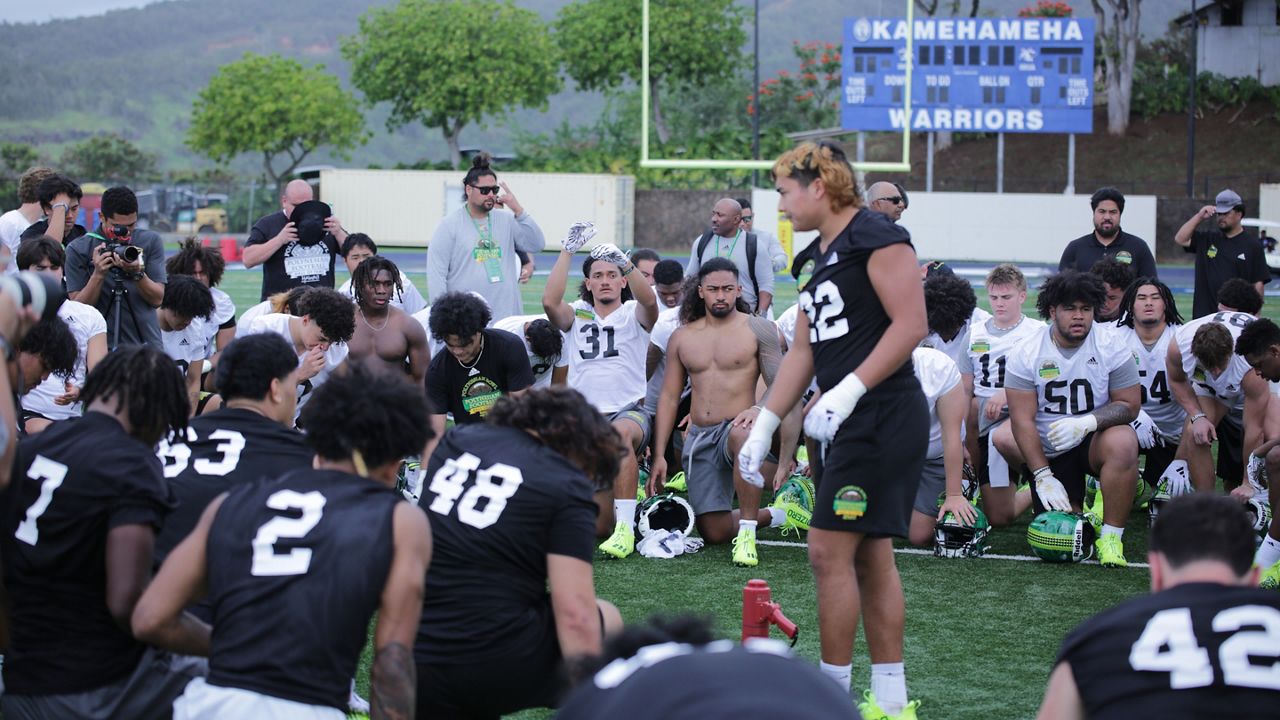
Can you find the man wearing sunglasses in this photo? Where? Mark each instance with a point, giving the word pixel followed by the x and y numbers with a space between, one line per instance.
pixel 771 242
pixel 473 248
pixel 888 199
pixel 1222 252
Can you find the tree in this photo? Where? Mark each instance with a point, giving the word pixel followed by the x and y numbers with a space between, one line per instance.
pixel 450 64
pixel 15 158
pixel 693 42
pixel 276 107
pixel 804 100
pixel 109 158
pixel 1118 36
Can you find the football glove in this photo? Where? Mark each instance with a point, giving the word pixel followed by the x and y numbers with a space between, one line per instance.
pixel 1175 480
pixel 580 233
pixel 609 252
pixel 1051 491
pixel 752 454
pixel 1146 430
pixel 833 408
pixel 1069 432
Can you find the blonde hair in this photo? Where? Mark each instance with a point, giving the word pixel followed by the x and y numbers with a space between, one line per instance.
pixel 1007 274
pixel 809 161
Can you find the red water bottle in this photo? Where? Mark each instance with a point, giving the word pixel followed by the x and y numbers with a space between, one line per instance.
pixel 759 612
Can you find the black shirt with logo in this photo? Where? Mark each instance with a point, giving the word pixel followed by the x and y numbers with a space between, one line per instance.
pixel 1081 253
pixel 1220 258
pixel 469 393
pixel 293 264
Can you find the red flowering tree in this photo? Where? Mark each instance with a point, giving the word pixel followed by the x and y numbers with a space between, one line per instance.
pixel 1046 9
pixel 802 100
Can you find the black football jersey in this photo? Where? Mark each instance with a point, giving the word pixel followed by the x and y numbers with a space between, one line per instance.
pixel 72 484
pixel 1199 650
pixel 499 502
pixel 297 566
pixel 846 318
pixel 225 448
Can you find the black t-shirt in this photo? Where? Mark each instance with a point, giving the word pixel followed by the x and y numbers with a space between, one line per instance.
pixel 41 227
pixel 223 449
pixel 293 264
pixel 1081 253
pixel 503 367
pixel 499 503
pixel 721 680
pixel 1220 258
pixel 72 484
pixel 297 567
pixel 1199 650
pixel 846 318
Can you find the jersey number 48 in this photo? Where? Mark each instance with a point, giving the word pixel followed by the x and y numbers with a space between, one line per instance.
pixel 478 495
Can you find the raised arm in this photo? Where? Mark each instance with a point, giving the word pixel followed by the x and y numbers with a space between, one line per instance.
pixel 559 312
pixel 1183 236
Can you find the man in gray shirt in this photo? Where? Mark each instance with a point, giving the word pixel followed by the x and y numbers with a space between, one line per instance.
pixel 119 270
pixel 473 247
pixel 727 239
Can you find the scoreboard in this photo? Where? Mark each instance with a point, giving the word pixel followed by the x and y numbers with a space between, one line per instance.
pixel 1024 75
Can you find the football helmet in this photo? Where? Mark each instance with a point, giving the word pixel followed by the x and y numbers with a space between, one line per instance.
pixel 800 489
pixel 952 538
pixel 664 512
pixel 1060 537
pixel 1260 513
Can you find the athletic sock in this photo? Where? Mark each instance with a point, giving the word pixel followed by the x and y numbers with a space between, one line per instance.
pixel 889 685
pixel 1112 530
pixel 1268 553
pixel 840 673
pixel 777 517
pixel 624 511
pixel 747 525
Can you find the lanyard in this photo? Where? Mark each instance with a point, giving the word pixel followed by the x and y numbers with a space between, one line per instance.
pixel 731 247
pixel 486 236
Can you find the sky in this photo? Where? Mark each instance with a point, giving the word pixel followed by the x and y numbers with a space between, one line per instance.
pixel 26 11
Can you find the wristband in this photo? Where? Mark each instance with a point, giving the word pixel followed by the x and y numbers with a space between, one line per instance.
pixel 629 270
pixel 1197 416
pixel 1046 470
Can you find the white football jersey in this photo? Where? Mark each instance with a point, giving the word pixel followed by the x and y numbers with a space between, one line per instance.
pixel 224 308
pixel 408 299
pixel 85 322
pixel 278 323
pixel 787 324
pixel 666 324
pixel 1070 383
pixel 187 345
pixel 253 313
pixel 1227 387
pixel 1157 398
pixel 607 356
pixel 541 366
pixel 937 375
pixel 989 349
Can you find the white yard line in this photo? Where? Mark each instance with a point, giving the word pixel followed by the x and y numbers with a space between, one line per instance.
pixel 921 551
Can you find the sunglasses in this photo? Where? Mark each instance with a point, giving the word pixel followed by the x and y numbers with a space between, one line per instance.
pixel 895 199
pixel 486 189
pixel 748 218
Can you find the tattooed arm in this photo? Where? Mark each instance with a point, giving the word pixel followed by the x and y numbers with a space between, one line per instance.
pixel 393 680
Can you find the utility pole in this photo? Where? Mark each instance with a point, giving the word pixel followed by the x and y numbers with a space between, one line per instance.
pixel 755 91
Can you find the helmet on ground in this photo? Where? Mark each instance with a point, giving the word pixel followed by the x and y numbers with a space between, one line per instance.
pixel 952 538
pixel 1260 513
pixel 800 488
pixel 1060 537
pixel 664 512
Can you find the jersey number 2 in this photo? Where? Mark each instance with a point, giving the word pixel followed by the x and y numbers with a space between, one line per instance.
pixel 1168 644
pixel 494 484
pixel 266 561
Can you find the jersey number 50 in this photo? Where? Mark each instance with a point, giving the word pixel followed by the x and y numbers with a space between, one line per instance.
pixel 493 485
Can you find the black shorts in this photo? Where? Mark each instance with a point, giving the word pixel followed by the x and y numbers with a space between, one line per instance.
pixel 867 481
pixel 1157 460
pixel 1070 468
pixel 1230 449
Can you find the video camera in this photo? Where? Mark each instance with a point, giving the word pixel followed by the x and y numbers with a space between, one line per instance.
pixel 128 253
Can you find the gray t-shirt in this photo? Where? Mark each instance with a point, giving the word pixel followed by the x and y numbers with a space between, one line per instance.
pixel 456 262
pixel 735 248
pixel 137 321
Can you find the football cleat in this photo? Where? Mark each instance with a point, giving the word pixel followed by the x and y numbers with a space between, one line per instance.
pixel 677 483
pixel 1060 537
pixel 797 516
pixel 1142 494
pixel 952 538
pixel 621 543
pixel 871 710
pixel 1270 578
pixel 744 548
pixel 1111 551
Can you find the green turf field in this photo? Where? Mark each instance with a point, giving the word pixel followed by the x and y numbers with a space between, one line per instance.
pixel 981 634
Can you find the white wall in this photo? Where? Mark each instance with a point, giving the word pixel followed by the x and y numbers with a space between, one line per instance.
pixel 989 227
pixel 403 207
pixel 1269 202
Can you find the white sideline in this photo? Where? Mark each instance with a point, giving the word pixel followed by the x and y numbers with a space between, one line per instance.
pixel 920 551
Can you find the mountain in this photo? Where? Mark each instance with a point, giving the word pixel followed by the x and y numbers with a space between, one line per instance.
pixel 137 71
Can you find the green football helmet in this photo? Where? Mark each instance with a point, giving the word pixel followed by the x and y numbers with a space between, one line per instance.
pixel 800 489
pixel 1060 537
pixel 952 538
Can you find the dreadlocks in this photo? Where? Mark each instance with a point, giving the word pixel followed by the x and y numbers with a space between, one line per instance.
pixel 1171 314
pixel 147 385
pixel 365 272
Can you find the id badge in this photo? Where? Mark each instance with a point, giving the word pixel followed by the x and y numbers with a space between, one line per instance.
pixel 493 268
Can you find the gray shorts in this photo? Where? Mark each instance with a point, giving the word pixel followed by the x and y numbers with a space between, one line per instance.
pixel 933 481
pixel 147 693
pixel 636 414
pixel 708 468
pixel 985 425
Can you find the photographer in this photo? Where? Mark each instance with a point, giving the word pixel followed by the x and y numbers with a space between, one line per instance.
pixel 120 271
